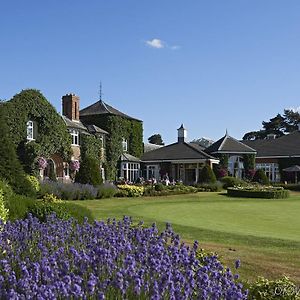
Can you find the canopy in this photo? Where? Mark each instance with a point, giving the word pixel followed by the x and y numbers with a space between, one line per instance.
pixel 295 169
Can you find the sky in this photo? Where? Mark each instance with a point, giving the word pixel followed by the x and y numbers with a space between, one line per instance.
pixel 211 65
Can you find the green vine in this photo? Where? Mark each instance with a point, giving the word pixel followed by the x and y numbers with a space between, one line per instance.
pixel 51 136
pixel 249 162
pixel 223 160
pixel 118 128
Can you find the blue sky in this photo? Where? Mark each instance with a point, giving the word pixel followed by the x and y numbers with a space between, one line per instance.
pixel 211 65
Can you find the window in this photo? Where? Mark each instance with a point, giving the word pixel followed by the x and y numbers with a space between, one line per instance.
pixel 75 137
pixel 30 130
pixel 124 145
pixel 131 171
pixel 271 170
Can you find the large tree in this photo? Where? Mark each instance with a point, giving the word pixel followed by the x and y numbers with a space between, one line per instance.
pixel 279 125
pixel 156 139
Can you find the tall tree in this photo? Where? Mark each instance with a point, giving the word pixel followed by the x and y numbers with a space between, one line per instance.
pixel 156 139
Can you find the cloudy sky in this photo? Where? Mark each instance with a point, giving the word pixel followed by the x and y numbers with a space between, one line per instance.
pixel 211 65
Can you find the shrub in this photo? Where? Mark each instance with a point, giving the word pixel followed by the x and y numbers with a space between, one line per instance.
pixel 159 187
pixel 67 260
pixel 255 192
pixel 89 172
pixel 68 191
pixel 260 177
pixel 229 181
pixel 209 187
pixel 264 289
pixel 207 175
pixel 3 210
pixel 132 190
pixel 106 190
pixel 34 182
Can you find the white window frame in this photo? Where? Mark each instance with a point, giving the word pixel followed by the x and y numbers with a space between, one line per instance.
pixel 29 125
pixel 75 137
pixel 271 170
pixel 124 145
pixel 130 171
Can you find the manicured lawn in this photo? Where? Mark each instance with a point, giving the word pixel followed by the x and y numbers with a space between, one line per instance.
pixel 264 234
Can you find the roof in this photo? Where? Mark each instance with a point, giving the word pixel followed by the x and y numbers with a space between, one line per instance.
pixel 286 145
pixel 74 124
pixel 228 144
pixel 102 108
pixel 176 151
pixel 129 157
pixel 95 129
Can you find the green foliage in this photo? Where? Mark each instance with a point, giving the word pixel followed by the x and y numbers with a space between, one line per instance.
pixel 223 160
pixel 255 192
pixel 169 190
pixel 207 175
pixel 50 198
pixel 52 173
pixel 229 181
pixel 51 132
pixel 156 139
pixel 89 172
pixel 4 212
pixel 90 146
pixel 209 187
pixel 34 182
pixel 264 289
pixel 106 191
pixel 249 162
pixel 118 128
pixel 131 190
pixel 260 177
pixel 10 167
pixel 159 187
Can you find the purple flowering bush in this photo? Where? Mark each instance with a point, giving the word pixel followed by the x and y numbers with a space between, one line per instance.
pixel 61 259
pixel 42 163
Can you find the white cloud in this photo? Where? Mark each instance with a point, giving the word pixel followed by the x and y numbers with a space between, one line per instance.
pixel 175 47
pixel 156 43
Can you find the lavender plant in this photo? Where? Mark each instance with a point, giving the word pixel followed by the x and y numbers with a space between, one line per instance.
pixel 61 259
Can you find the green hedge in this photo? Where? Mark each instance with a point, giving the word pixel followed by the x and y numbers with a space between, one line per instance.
pixel 252 193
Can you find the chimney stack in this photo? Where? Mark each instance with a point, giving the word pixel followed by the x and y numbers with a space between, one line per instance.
pixel 182 134
pixel 70 106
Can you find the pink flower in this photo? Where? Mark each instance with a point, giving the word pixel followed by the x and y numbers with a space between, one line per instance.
pixel 42 163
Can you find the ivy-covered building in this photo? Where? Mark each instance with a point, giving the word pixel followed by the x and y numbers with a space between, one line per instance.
pixel 124 144
pixel 47 143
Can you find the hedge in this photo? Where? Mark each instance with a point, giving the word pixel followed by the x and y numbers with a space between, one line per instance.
pixel 249 193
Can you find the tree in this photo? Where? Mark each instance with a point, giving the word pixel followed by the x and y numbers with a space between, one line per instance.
pixel 260 177
pixel 89 172
pixel 207 175
pixel 11 169
pixel 156 139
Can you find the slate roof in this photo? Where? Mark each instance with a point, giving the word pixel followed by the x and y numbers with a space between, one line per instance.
pixel 74 124
pixel 150 147
pixel 129 157
pixel 95 129
pixel 287 145
pixel 176 151
pixel 102 108
pixel 228 144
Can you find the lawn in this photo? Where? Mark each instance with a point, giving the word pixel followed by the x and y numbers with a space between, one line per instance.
pixel 264 234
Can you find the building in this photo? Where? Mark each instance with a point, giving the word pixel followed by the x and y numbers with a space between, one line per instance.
pixel 181 161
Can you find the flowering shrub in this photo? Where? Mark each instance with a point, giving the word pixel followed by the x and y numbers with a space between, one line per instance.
pixel 42 163
pixel 34 182
pixel 258 191
pixel 130 190
pixel 113 260
pixel 68 191
pixel 3 210
pixel 74 165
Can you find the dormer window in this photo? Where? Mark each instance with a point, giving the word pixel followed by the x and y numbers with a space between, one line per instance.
pixel 124 145
pixel 29 125
pixel 75 137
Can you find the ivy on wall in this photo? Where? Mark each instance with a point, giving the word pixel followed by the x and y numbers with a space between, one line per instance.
pixel 223 160
pixel 51 136
pixel 90 146
pixel 118 128
pixel 249 162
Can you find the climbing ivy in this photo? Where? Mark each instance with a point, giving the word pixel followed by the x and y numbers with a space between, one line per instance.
pixel 90 146
pixel 249 162
pixel 223 160
pixel 51 136
pixel 118 128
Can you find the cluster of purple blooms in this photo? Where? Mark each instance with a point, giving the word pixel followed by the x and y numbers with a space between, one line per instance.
pixel 114 260
pixel 74 165
pixel 42 163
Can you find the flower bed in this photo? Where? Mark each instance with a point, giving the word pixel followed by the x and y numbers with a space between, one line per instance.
pixel 113 260
pixel 256 191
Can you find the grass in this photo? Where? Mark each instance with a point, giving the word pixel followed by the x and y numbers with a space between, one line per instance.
pixel 263 233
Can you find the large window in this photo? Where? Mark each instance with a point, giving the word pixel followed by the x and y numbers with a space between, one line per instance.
pixel 131 171
pixel 30 131
pixel 75 137
pixel 271 170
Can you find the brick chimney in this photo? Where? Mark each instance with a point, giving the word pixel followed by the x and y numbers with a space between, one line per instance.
pixel 70 106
